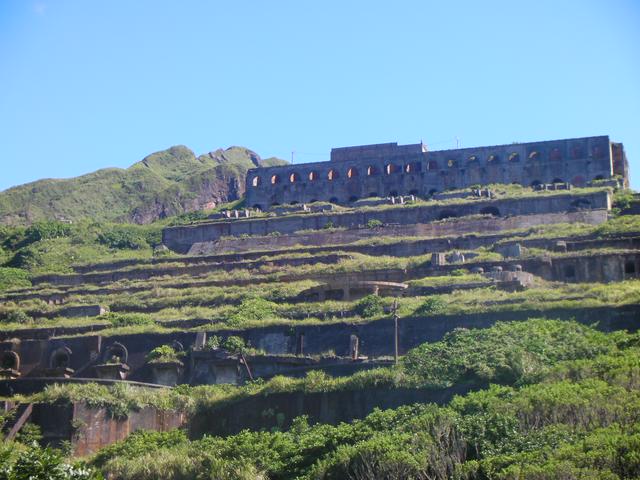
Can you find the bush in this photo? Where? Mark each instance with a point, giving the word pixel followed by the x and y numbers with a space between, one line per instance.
pixel 255 309
pixel 45 464
pixel 163 354
pixel 18 316
pixel 234 344
pixel 369 306
pixel 123 238
pixel 373 223
pixel 213 343
pixel 431 306
pixel 46 230
pixel 13 278
pixel 119 320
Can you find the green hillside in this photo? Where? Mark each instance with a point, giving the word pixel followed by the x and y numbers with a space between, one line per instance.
pixel 165 183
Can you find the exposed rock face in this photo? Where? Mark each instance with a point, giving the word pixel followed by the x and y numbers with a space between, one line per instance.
pixel 165 183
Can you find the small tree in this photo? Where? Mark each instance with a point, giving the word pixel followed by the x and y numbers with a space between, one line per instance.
pixel 369 306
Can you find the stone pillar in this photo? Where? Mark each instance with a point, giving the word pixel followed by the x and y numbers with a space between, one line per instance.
pixel 353 347
pixel 438 259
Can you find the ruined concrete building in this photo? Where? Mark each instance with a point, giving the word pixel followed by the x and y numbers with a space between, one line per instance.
pixel 390 169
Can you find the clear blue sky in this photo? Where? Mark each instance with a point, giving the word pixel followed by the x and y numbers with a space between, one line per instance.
pixel 91 84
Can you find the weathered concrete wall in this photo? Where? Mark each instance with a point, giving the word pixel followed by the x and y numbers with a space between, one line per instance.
pixel 90 429
pixel 375 339
pixel 279 409
pixel 182 238
pixel 203 268
pixel 441 236
pixel 391 170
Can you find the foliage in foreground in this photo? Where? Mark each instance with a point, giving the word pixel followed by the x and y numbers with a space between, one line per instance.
pixel 580 421
pixel 22 462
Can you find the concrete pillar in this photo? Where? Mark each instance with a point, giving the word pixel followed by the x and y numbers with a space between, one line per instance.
pixel 353 347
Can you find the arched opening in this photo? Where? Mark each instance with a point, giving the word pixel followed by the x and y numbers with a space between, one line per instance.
pixel 578 181
pixel 255 181
pixel 557 180
pixel 294 177
pixel 514 157
pixel 352 172
pixel 472 159
pixel 333 200
pixel 390 168
pixel 493 159
pixel 275 179
pixel 451 163
pixel 577 152
pixel 60 358
pixel 10 360
pixel 332 175
pixel 432 165
pixel 413 167
pixel 535 155
pixel 117 353
pixel 353 198
pixel 313 176
pixel 447 214
pixel 555 154
pixel 630 268
pixel 371 171
pixel 493 211
pixel 257 206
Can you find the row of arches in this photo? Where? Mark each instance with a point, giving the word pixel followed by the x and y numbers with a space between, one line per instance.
pixel 334 174
pixel 415 167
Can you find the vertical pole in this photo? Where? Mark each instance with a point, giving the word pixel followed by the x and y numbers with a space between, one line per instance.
pixel 395 326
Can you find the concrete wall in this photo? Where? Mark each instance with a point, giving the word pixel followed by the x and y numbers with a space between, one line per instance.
pixel 375 339
pixel 182 238
pixel 90 429
pixel 440 236
pixel 279 409
pixel 389 169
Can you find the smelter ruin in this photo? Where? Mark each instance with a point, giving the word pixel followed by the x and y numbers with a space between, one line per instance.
pixel 458 238
pixel 389 169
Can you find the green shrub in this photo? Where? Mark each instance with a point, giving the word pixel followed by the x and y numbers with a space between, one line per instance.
pixel 508 352
pixel 369 306
pixel 18 316
pixel 38 463
pixel 46 230
pixel 252 309
pixel 431 306
pixel 123 238
pixel 163 354
pixel 234 344
pixel 118 319
pixel 13 278
pixel 373 223
pixel 213 343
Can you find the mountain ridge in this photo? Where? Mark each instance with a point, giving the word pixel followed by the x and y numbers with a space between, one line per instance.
pixel 164 183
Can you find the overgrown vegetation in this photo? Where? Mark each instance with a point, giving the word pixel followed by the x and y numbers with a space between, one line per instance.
pixel 574 415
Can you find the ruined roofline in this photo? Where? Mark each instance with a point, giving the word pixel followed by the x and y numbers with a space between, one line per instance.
pixel 424 150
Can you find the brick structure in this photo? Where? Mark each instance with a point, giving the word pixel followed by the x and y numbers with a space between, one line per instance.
pixel 390 169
